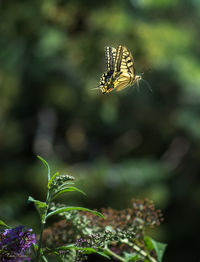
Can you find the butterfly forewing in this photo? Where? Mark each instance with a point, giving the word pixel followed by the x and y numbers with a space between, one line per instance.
pixel 127 62
pixel 110 54
pixel 118 59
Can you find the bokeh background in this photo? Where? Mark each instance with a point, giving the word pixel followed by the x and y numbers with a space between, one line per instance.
pixel 134 143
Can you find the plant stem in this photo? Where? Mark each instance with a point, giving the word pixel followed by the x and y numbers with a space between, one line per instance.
pixel 44 216
pixel 114 255
pixel 42 227
pixel 141 252
pixel 40 241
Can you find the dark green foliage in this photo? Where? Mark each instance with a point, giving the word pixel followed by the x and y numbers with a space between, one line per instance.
pixel 128 144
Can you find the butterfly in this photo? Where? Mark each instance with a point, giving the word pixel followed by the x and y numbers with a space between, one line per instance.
pixel 120 70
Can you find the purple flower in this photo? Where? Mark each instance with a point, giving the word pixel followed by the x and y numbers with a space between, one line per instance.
pixel 15 243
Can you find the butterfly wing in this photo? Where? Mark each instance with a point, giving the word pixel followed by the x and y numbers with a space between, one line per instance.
pixel 106 80
pixel 122 83
pixel 110 54
pixel 127 64
pixel 124 64
pixel 120 69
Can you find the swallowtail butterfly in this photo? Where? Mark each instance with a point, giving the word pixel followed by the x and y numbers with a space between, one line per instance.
pixel 120 70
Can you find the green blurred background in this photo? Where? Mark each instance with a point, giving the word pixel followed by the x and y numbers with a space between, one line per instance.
pixel 135 143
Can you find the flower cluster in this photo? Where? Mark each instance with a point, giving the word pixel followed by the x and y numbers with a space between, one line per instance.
pixel 142 214
pixel 60 233
pixel 60 180
pixel 15 243
pixel 121 230
pixel 145 211
pixel 100 241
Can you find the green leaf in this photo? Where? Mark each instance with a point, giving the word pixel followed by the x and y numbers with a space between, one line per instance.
pixel 53 177
pixel 40 206
pixel 3 224
pixel 90 250
pixel 102 253
pixel 130 257
pixel 47 166
pixel 44 258
pixel 157 246
pixel 66 209
pixel 67 189
pixel 148 243
pixel 86 250
pixel 66 184
pixel 35 246
pixel 70 246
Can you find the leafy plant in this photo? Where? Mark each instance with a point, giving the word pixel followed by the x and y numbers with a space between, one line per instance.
pixel 57 185
pixel 112 234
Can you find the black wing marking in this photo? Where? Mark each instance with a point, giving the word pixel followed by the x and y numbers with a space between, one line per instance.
pixel 110 54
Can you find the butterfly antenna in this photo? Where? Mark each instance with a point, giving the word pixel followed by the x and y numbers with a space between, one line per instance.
pixel 138 85
pixel 95 88
pixel 147 84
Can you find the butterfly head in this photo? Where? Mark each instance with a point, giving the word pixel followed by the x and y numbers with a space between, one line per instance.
pixel 139 77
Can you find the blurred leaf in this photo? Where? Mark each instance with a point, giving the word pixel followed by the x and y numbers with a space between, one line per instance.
pixel 130 257
pixel 47 166
pixel 157 246
pixel 51 41
pixel 44 258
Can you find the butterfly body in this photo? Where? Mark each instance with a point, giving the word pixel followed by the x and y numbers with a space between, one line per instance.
pixel 120 70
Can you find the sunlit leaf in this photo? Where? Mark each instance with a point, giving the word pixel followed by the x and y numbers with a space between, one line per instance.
pixel 148 243
pixel 90 250
pixel 52 178
pixel 40 206
pixel 66 209
pixel 66 184
pixel 130 257
pixel 103 254
pixel 68 189
pixel 157 246
pixel 44 258
pixel 47 166
pixel 85 250
pixel 3 224
pixel 35 246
